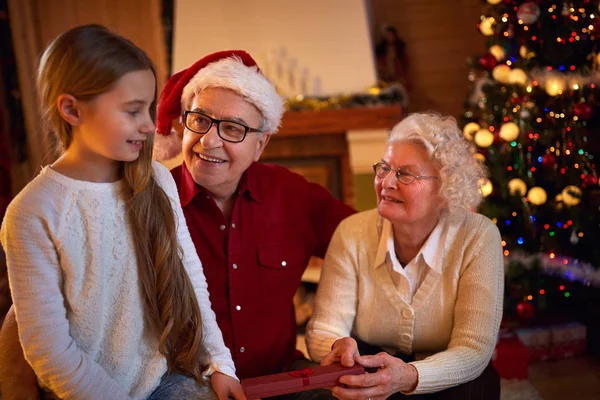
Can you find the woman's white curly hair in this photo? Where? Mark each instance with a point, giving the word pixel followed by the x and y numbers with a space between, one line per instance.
pixel 460 172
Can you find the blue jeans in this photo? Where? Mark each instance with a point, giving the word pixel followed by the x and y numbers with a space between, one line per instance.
pixel 179 387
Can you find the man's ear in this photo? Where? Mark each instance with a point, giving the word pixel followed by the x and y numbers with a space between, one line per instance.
pixel 261 144
pixel 69 108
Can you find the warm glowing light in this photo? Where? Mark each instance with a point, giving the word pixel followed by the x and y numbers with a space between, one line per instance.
pixel 506 253
pixel 470 129
pixel 542 291
pixel 486 187
pixel 530 297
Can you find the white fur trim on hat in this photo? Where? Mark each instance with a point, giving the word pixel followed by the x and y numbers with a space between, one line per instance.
pixel 248 82
pixel 167 147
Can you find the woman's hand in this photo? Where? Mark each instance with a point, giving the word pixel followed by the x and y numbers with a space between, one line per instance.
pixel 344 351
pixel 393 375
pixel 225 386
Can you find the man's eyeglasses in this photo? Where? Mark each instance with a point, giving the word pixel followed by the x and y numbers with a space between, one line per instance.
pixel 229 131
pixel 382 170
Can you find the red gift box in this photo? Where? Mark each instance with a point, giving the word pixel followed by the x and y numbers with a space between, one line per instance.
pixel 510 357
pixel 537 340
pixel 297 381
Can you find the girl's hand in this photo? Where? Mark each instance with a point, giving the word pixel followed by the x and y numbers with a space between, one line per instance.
pixel 225 386
pixel 344 351
pixel 393 375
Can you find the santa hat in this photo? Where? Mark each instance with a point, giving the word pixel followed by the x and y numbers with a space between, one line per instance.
pixel 232 69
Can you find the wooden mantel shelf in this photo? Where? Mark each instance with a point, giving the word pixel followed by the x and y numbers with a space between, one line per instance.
pixel 339 121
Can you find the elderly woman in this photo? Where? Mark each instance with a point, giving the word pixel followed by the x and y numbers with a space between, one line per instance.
pixel 413 289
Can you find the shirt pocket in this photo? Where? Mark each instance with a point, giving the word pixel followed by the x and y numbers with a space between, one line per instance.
pixel 281 266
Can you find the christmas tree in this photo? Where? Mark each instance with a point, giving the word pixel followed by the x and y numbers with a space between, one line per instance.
pixel 534 116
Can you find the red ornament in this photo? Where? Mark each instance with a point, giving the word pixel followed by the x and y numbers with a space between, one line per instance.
pixel 488 62
pixel 589 180
pixel 583 110
pixel 548 160
pixel 525 310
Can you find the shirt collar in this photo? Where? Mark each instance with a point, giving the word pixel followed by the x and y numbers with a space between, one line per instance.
pixel 432 251
pixel 189 189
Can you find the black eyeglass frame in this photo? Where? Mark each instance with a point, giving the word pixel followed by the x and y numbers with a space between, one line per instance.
pixel 397 172
pixel 214 121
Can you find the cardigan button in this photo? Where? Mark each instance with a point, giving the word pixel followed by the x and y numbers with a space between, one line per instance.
pixel 407 313
pixel 406 337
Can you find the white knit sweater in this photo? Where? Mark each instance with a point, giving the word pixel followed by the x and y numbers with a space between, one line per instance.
pixel 455 314
pixel 74 282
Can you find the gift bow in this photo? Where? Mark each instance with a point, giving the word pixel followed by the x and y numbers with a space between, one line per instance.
pixel 304 374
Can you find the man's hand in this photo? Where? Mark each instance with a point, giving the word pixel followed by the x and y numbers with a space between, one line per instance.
pixel 344 351
pixel 17 379
pixel 225 386
pixel 393 375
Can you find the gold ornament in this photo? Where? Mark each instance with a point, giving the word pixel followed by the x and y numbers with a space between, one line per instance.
pixel 537 196
pixel 498 52
pixel 555 86
pixel 494 2
pixel 501 73
pixel 484 138
pixel 487 26
pixel 509 131
pixel 517 186
pixel 525 53
pixel 571 195
pixel 470 129
pixel 486 187
pixel 480 157
pixel 518 76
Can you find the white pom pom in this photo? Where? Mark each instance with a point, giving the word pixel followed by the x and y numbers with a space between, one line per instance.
pixel 166 147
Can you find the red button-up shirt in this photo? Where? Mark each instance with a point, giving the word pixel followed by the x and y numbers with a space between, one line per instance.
pixel 254 262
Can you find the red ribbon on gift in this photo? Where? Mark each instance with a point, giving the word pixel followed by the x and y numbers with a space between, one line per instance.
pixel 304 374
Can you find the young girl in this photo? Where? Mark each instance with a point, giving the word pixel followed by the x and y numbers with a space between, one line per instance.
pixel 109 294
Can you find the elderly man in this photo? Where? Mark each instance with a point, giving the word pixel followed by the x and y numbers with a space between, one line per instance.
pixel 255 226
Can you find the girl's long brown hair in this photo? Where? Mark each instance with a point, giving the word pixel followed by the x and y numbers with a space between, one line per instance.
pixel 85 62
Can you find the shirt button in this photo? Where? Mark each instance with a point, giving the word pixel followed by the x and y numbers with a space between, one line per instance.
pixel 407 313
pixel 234 266
pixel 242 349
pixel 233 225
pixel 222 227
pixel 283 263
pixel 238 308
pixel 406 337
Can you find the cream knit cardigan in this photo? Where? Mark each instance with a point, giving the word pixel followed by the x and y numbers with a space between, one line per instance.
pixel 455 315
